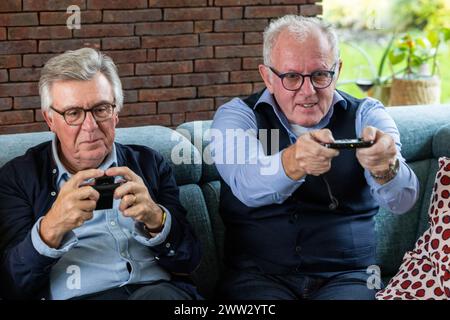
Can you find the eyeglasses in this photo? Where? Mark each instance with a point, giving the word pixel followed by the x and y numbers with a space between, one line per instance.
pixel 293 81
pixel 76 116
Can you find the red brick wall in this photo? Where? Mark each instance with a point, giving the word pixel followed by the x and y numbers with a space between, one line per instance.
pixel 178 60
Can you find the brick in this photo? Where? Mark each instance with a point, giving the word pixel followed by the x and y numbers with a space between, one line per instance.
pixel 123 56
pixel 219 101
pixel 191 14
pixel 10 61
pixel 25 74
pixel 258 86
pixel 58 46
pixel 164 68
pixel 36 60
pixel 164 28
pixel 51 5
pixel 199 79
pixel 116 4
pixel 217 65
pixel 253 37
pixel 13 47
pixel 190 40
pixel 104 30
pixel 118 43
pixel 186 106
pixel 252 63
pixel 196 116
pixel 146 82
pixel 269 12
pixel 29 127
pixel 176 3
pixel 60 17
pixel 21 33
pixel 244 76
pixel 33 102
pixel 240 2
pixel 2 33
pixel 310 10
pixel 14 117
pixel 225 90
pixel 151 54
pixel 167 94
pixel 238 51
pixel 11 6
pixel 5 104
pixel 160 119
pixel 233 13
pixel 130 96
pixel 211 39
pixel 125 69
pixel 177 118
pixel 132 16
pixel 19 89
pixel 240 25
pixel 293 1
pixel 137 109
pixel 184 53
pixel 18 19
pixel 203 26
pixel 38 117
pixel 3 76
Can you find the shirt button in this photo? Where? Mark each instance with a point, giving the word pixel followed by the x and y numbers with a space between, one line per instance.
pixel 167 245
pixel 298 249
pixel 53 193
pixel 298 269
pixel 171 253
pixel 54 171
pixel 113 223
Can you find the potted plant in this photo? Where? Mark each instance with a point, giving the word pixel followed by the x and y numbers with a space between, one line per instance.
pixel 417 82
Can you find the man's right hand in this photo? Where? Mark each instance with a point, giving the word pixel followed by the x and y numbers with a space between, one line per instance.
pixel 308 155
pixel 73 206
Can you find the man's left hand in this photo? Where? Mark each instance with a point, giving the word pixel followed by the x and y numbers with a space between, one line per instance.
pixel 380 155
pixel 136 201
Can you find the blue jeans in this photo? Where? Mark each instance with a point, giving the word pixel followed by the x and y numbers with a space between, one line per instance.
pixel 251 284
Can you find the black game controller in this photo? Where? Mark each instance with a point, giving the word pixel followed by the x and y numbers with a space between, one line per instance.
pixel 349 144
pixel 105 186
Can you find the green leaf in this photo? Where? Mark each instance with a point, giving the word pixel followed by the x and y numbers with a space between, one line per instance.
pixel 397 55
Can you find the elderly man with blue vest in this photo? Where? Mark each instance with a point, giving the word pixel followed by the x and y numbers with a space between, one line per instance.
pixel 299 214
pixel 65 235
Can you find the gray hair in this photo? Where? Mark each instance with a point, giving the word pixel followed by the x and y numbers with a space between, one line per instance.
pixel 300 27
pixel 81 64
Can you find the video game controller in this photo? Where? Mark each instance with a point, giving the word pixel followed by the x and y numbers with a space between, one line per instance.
pixel 105 186
pixel 349 144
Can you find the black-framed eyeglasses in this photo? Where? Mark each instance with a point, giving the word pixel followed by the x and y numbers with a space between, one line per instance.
pixel 293 81
pixel 75 116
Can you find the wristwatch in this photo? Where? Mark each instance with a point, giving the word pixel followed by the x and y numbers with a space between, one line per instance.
pixel 161 226
pixel 390 173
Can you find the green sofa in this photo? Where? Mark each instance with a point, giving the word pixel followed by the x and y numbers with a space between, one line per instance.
pixel 425 134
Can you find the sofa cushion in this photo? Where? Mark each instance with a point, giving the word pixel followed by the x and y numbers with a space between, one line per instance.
pixel 197 132
pixel 441 141
pixel 417 125
pixel 174 147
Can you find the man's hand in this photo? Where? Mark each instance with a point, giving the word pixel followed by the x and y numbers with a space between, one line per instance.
pixel 308 156
pixel 380 155
pixel 73 206
pixel 136 201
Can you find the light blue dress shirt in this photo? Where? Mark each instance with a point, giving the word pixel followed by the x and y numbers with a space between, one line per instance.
pixel 261 180
pixel 99 254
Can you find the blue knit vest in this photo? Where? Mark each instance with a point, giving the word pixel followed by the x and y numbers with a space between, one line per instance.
pixel 302 234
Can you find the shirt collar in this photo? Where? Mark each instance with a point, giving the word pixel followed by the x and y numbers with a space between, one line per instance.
pixel 64 174
pixel 268 98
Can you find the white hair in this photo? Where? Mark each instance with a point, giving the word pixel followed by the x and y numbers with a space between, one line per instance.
pixel 82 64
pixel 300 27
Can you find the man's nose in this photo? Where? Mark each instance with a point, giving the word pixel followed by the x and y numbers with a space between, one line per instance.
pixel 307 88
pixel 89 122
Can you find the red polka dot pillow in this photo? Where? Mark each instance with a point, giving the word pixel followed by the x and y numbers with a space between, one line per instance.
pixel 425 271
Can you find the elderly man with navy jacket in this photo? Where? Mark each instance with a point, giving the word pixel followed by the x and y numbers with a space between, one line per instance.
pixel 299 212
pixel 54 243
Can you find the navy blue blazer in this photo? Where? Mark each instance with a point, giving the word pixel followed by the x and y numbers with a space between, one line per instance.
pixel 26 185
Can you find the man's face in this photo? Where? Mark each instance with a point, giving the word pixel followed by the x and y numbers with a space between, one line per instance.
pixel 306 106
pixel 84 146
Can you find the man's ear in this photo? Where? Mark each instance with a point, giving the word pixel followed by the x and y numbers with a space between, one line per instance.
pixel 339 67
pixel 49 120
pixel 266 76
pixel 116 119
